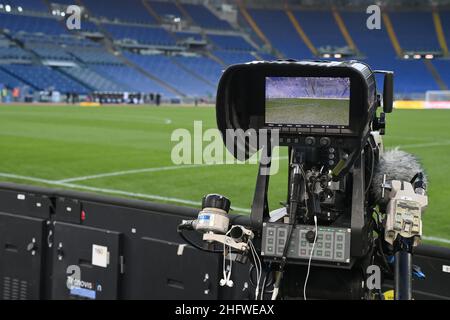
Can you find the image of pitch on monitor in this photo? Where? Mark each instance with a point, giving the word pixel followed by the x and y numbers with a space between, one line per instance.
pixel 308 101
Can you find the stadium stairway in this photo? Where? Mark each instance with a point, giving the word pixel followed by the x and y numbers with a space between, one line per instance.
pixel 415 38
pixel 157 17
pixel 212 56
pixel 252 23
pixel 10 80
pixel 152 12
pixel 440 31
pixel 343 29
pixel 183 11
pixel 147 74
pixel 300 31
pixel 193 73
pixel 436 76
pixel 92 79
pixel 14 79
pixel 391 34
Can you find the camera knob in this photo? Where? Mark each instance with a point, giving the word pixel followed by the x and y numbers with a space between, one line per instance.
pixel 325 141
pixel 216 201
pixel 310 236
pixel 310 141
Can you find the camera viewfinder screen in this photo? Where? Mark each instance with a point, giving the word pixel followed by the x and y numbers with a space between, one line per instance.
pixel 321 101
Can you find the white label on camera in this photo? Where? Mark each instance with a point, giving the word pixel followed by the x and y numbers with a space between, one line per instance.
pixel 445 268
pixel 20 197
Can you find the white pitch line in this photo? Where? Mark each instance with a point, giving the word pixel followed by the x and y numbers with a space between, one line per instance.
pixel 143 170
pixel 437 239
pixel 126 172
pixel 110 191
pixel 145 196
pixel 425 145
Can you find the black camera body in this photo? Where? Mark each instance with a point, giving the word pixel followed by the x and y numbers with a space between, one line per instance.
pixel 325 112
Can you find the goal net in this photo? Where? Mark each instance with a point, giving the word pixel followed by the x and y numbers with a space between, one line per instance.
pixel 437 99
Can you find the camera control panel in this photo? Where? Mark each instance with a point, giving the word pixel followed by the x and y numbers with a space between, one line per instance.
pixel 332 244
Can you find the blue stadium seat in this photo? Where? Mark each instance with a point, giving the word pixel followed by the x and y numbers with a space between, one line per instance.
pixel 281 33
pixel 93 80
pixel 266 56
pixel 9 80
pixel 163 68
pixel 233 57
pixel 94 55
pixel 415 30
pixel 230 42
pixel 205 67
pixel 132 79
pixel 14 53
pixel 445 20
pixel 45 78
pixel 185 35
pixel 49 51
pixel 372 43
pixel 16 23
pixel 165 8
pixel 443 67
pixel 205 18
pixel 144 35
pixel 128 11
pixel 411 76
pixel 321 28
pixel 88 26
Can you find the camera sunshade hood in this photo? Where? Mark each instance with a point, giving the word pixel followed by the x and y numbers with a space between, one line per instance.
pixel 241 95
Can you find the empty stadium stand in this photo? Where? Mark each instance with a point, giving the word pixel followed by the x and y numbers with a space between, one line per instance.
pixel 131 79
pixel 44 78
pixel 415 31
pixel 31 24
pixel 233 57
pixel 92 79
pixel 165 9
pixel 9 80
pixel 445 20
pixel 205 18
pixel 326 34
pixel 281 33
pixel 163 68
pixel 205 67
pixel 230 42
pixel 411 76
pixel 141 34
pixel 180 48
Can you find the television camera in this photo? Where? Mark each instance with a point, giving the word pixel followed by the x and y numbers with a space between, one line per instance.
pixel 350 207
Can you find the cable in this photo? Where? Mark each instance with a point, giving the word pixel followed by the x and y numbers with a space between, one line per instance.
pixel 226 281
pixel 372 160
pixel 310 257
pixel 306 191
pixel 196 246
pixel 263 287
pixel 258 267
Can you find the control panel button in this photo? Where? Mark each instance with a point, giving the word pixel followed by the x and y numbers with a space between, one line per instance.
pixel 310 141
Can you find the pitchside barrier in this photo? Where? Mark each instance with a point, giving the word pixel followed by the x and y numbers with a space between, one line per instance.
pixel 57 244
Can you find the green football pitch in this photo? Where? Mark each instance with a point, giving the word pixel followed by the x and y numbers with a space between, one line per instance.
pixel 126 151
pixel 311 111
